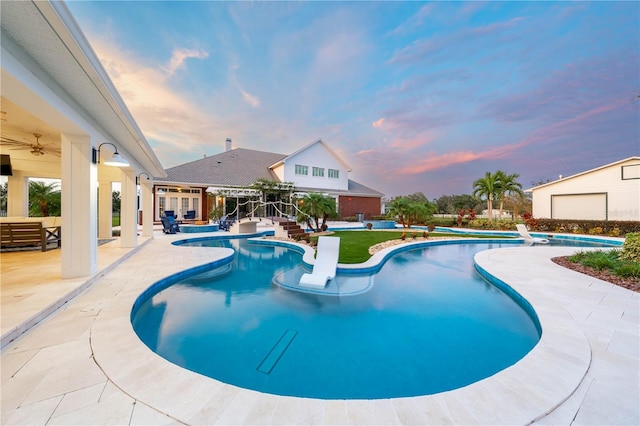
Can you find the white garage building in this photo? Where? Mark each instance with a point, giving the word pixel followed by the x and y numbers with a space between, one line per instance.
pixel 610 192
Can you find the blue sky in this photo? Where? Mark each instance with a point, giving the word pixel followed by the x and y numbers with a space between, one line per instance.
pixel 415 97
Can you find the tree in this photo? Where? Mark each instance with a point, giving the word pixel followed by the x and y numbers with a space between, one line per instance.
pixel 518 203
pixel 507 185
pixel 464 201
pixel 487 188
pixel 444 204
pixel 450 204
pixel 417 196
pixel 44 199
pixel 315 206
pixel 409 212
pixel 115 201
pixel 4 191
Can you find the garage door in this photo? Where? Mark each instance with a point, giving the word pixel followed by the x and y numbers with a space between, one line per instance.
pixel 579 206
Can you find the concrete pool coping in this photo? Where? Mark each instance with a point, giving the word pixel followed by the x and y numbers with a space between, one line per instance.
pixel 555 373
pixel 525 392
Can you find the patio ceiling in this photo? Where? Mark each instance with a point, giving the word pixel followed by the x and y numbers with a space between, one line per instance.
pixel 44 38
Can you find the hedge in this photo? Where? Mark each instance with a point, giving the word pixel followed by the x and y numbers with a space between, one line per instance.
pixel 592 227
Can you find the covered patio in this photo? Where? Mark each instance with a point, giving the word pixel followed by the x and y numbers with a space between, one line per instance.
pixel 63 119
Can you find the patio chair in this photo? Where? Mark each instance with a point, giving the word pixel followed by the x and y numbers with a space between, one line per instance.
pixel 169 225
pixel 170 213
pixel 524 233
pixel 224 223
pixel 191 214
pixel 324 269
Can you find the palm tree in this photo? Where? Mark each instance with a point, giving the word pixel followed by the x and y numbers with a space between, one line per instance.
pixel 43 198
pixel 409 211
pixel 507 184
pixel 315 206
pixel 486 187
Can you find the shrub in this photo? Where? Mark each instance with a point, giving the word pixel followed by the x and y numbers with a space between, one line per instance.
pixel 601 260
pixel 611 260
pixel 609 227
pixel 441 221
pixel 631 247
pixel 505 224
pixel 628 269
pixel 595 231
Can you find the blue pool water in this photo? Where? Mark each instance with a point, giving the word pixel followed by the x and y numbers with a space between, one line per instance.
pixel 428 324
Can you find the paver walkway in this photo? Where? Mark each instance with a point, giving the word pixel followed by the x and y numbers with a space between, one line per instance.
pixel 85 365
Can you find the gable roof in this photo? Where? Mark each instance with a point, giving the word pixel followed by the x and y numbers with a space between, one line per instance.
pixel 304 148
pixel 238 167
pixel 635 158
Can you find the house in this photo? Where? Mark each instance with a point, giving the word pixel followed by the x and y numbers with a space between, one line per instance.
pixel 229 177
pixel 62 117
pixel 609 192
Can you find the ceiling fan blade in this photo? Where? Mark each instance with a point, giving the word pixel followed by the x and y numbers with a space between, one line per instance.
pixel 13 142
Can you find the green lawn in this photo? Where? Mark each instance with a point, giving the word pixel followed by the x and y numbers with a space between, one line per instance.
pixel 354 245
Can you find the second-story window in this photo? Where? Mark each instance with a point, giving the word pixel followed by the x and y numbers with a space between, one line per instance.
pixel 318 171
pixel 302 170
pixel 334 174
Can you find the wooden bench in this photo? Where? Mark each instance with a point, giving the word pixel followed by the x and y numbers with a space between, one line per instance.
pixel 24 234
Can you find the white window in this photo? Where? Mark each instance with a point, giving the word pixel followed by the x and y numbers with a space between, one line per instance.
pixel 302 170
pixel 334 174
pixel 318 171
pixel 162 205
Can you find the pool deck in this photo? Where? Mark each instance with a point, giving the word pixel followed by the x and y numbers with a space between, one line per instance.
pixel 83 364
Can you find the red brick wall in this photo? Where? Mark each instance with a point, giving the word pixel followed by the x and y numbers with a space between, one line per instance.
pixel 349 206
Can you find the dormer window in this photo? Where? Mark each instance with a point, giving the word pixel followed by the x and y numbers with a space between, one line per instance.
pixel 302 170
pixel 334 174
pixel 318 171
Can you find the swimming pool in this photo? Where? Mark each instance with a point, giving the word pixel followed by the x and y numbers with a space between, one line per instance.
pixel 427 324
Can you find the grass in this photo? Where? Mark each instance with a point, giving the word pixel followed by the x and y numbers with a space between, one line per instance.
pixel 607 260
pixel 354 245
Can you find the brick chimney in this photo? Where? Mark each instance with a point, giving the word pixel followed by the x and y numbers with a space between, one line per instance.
pixel 228 144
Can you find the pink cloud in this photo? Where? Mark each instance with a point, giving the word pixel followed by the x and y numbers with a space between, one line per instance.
pixel 413 142
pixel 378 123
pixel 436 162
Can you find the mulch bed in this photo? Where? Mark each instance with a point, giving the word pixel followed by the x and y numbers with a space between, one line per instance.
pixel 631 283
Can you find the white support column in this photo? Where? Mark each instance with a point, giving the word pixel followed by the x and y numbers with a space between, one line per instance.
pixel 105 209
pixel 17 195
pixel 128 209
pixel 79 208
pixel 147 207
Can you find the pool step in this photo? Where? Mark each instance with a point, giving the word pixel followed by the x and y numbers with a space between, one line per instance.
pixel 276 352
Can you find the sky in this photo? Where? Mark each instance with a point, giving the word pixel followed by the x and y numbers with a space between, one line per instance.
pixel 413 96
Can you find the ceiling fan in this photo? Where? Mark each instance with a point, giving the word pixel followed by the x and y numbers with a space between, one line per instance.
pixel 36 149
